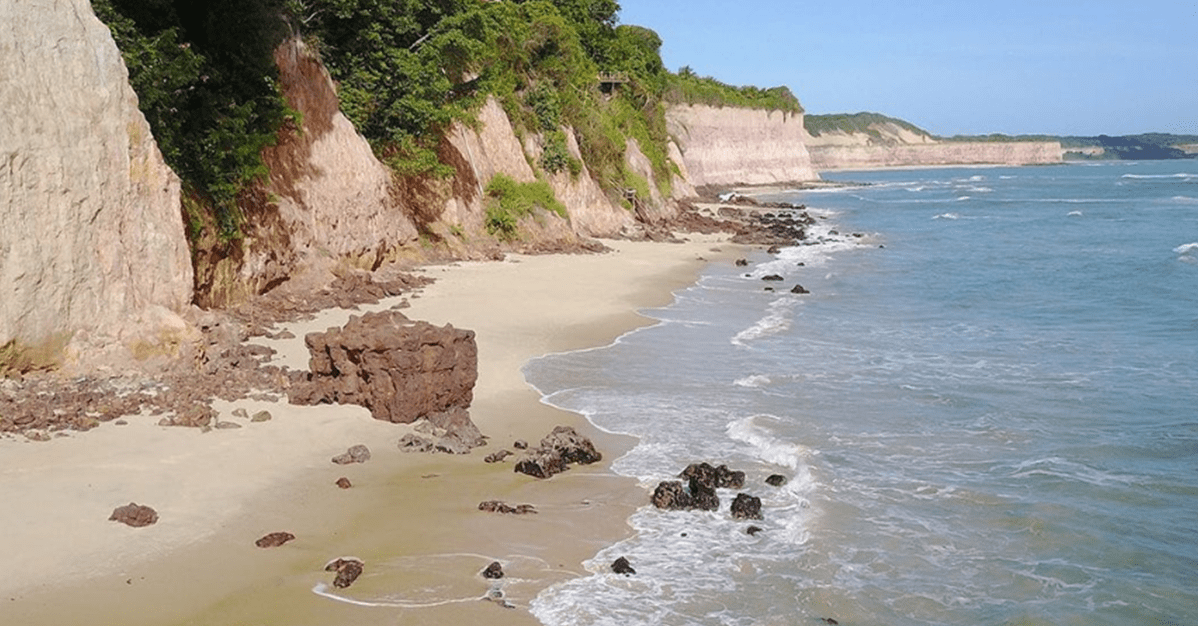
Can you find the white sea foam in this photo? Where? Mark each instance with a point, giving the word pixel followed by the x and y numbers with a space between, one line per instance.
pixel 1186 248
pixel 1075 214
pixel 769 448
pixel 777 320
pixel 754 381
pixel 948 216
pixel 1179 175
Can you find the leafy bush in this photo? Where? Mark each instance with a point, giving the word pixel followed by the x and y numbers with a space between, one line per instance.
pixel 510 200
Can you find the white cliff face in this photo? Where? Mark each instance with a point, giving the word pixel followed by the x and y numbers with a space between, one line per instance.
pixel 333 195
pixel 730 146
pixel 92 248
pixel 834 157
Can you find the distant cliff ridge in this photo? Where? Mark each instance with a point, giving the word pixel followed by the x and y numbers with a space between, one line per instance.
pixel 94 265
pixel 838 157
pixel 872 140
pixel 728 146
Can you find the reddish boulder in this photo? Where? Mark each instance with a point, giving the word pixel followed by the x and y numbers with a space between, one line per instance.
pixel 135 515
pixel 402 370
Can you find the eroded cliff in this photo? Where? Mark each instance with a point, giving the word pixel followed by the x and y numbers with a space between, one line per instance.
pixel 891 144
pixel 94 265
pixel 730 146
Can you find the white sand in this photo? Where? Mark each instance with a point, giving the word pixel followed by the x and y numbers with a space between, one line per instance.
pixel 215 492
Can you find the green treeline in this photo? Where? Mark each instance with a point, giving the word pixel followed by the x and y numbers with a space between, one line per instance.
pixel 406 70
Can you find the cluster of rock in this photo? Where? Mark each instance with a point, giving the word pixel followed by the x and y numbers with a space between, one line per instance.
pixel 348 570
pixel 556 452
pixel 402 370
pixel 699 491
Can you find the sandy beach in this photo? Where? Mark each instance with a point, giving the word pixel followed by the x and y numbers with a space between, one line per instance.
pixel 412 518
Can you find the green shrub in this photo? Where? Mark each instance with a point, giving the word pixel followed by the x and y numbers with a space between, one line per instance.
pixel 509 201
pixel 206 81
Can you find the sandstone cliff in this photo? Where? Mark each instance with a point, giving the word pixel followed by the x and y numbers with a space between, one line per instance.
pixel 834 157
pixel 889 143
pixel 93 261
pixel 729 146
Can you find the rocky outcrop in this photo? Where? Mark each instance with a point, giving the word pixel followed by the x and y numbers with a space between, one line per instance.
pixel 399 369
pixel 834 157
pixel 94 266
pixel 730 146
pixel 274 540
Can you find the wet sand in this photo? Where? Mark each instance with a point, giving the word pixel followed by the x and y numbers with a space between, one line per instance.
pixel 412 518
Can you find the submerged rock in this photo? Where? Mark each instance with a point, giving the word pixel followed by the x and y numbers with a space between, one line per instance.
pixel 622 566
pixel 776 480
pixel 348 570
pixel 493 571
pixel 746 506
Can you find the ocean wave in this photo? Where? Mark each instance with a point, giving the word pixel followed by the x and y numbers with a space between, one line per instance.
pixel 1075 214
pixel 1179 175
pixel 771 449
pixel 948 216
pixel 1183 199
pixel 755 381
pixel 1186 248
pixel 776 321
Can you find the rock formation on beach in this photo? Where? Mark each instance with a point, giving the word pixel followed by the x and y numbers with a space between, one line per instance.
pixel 402 370
pixel 557 451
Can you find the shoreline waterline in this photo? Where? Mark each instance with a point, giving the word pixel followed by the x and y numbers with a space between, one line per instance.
pixel 412 518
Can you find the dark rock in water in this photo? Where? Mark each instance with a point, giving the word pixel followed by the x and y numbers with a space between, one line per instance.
pixel 774 250
pixel 520 444
pixel 671 496
pixel 344 483
pixel 742 262
pixel 753 530
pixel 355 454
pixel 776 480
pixel 274 540
pixel 799 289
pixel 709 477
pixel 415 443
pixel 494 571
pixel 746 506
pixel 828 620
pixel 497 506
pixel 402 370
pixel 557 450
pixel 772 277
pixel 135 515
pixel 770 289
pixel 496 457
pixel 496 596
pixel 622 566
pixel 261 416
pixel 348 570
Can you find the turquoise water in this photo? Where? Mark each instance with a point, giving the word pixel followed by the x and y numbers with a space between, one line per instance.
pixel 986 408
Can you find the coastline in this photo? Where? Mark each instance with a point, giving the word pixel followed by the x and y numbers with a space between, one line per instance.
pixel 412 518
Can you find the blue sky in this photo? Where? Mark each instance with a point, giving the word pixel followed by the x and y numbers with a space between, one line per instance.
pixel 953 67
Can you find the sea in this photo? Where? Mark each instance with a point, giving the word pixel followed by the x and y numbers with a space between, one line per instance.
pixel 986 410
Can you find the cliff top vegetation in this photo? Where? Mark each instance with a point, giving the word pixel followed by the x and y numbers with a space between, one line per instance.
pixel 863 122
